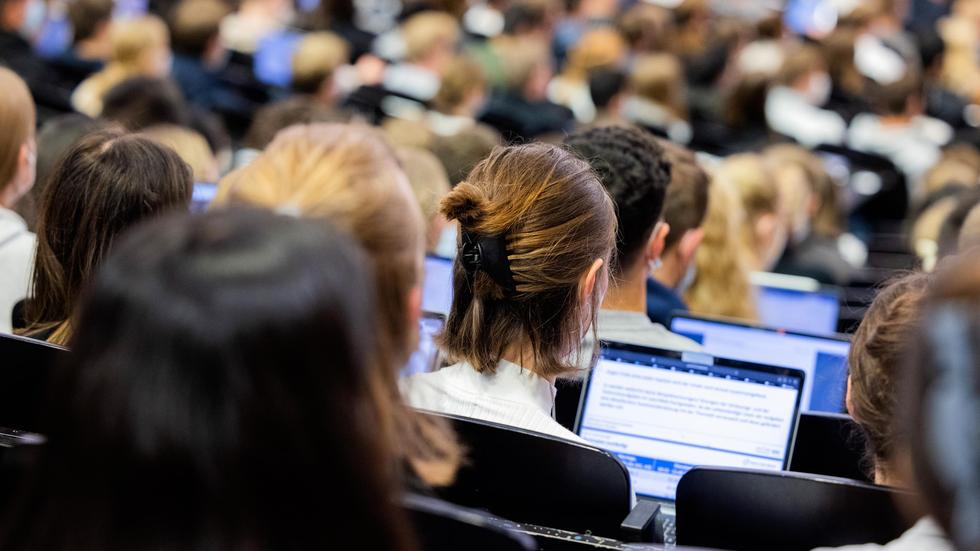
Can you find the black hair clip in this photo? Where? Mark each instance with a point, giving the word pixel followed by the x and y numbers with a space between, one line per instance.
pixel 489 255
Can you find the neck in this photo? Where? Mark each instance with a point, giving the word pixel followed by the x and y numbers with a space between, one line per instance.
pixel 628 293
pixel 92 49
pixel 517 354
pixel 670 273
pixel 8 197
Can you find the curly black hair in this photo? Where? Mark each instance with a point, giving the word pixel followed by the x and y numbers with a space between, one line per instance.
pixel 635 170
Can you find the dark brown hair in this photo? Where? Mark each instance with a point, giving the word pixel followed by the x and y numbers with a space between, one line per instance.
pixel 875 360
pixel 85 17
pixel 686 204
pixel 104 184
pixel 195 23
pixel 555 219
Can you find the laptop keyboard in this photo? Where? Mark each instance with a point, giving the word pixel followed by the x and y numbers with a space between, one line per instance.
pixel 587 541
pixel 666 529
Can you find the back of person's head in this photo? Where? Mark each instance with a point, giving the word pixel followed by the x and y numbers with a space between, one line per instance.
pixel 762 231
pixel 104 184
pixel 636 173
pixel 196 24
pixel 53 139
pixel 141 102
pixel 874 370
pixel 941 401
pixel 462 151
pixel 529 16
pixel 838 49
pixel 745 102
pixel 721 283
pixel 429 185
pixel 192 148
pixel 317 56
pixel 274 117
pixel 647 27
pixel 464 83
pixel 799 64
pixel 686 202
pixel 809 192
pixel 88 17
pixel 952 225
pixel 895 98
pixel 536 226
pixel 17 148
pixel 605 85
pixel 429 33
pixel 601 47
pixel 659 78
pixel 217 391
pixel 349 175
pixel 525 61
pixel 140 45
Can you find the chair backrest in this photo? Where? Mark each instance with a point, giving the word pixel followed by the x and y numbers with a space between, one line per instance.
pixel 25 369
pixel 442 526
pixel 829 444
pixel 746 509
pixel 538 479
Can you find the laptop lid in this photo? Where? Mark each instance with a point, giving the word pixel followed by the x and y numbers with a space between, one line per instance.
pixel 796 303
pixel 437 285
pixel 426 356
pixel 664 412
pixel 823 358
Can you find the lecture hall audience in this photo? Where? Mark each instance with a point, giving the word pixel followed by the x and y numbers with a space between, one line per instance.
pixel 701 141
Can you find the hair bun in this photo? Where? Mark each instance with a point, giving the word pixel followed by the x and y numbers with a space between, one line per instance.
pixel 465 203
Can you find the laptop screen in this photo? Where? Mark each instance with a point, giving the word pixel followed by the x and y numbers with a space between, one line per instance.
pixel 796 310
pixel 823 359
pixel 437 287
pixel 424 359
pixel 663 413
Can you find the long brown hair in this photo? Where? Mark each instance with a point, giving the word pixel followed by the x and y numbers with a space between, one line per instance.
pixel 17 121
pixel 348 174
pixel 555 219
pixel 104 184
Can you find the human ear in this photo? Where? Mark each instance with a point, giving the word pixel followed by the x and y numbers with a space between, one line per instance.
pixel 658 241
pixel 689 243
pixel 589 279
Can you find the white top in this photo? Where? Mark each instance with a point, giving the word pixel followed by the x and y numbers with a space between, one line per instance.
pixel 914 148
pixel 16 262
pixel 924 536
pixel 511 396
pixel 788 113
pixel 633 328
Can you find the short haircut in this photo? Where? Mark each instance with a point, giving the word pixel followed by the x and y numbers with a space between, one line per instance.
pixel 462 151
pixel 686 204
pixel 520 57
pixel 463 76
pixel 427 30
pixel 316 58
pixel 17 117
pixel 660 79
pixel 191 146
pixel 141 102
pixel 523 15
pixel 892 98
pixel 605 84
pixel 274 117
pixel 798 63
pixel 875 359
pixel 194 24
pixel 86 16
pixel 635 172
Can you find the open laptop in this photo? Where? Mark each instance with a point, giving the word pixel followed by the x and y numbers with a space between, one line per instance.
pixel 437 285
pixel 796 303
pixel 426 357
pixel 664 412
pixel 822 358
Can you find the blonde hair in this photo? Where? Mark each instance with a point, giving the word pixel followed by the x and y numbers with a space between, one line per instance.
pixel 721 286
pixel 600 47
pixel 347 173
pixel 131 40
pixel 190 146
pixel 17 120
pixel 660 78
pixel 552 219
pixel 463 76
pixel 756 191
pixel 426 31
pixel 316 58
pixel 429 184
pixel 520 57
pixel 827 221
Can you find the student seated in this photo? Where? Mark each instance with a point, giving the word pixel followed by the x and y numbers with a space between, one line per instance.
pixel 685 208
pixel 18 154
pixel 347 175
pixel 90 22
pixel 217 396
pixel 18 55
pixel 106 183
pixel 794 104
pixel 636 172
pixel 537 231
pixel 198 53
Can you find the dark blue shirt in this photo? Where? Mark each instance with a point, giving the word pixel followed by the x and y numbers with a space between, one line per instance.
pixel 662 301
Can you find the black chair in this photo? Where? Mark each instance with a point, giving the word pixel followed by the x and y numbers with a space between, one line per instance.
pixel 745 509
pixel 538 479
pixel 829 444
pixel 442 526
pixel 25 369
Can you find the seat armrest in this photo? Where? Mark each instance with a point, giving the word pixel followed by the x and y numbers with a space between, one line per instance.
pixel 639 524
